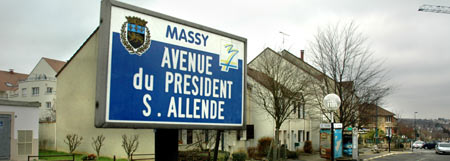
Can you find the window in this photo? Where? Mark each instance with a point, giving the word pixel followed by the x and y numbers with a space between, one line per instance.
pixel 9 84
pixel 388 131
pixel 24 92
pixel 388 119
pixel 300 110
pixel 250 132
pixel 49 90
pixel 35 91
pixel 189 137
pixel 307 135
pixel 25 142
pixel 49 104
pixel 300 136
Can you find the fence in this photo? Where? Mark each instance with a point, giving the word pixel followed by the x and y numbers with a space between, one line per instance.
pixel 53 156
pixel 194 156
pixel 142 157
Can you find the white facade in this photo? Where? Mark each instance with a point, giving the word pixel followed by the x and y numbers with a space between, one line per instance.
pixel 40 86
pixel 293 132
pixel 302 125
pixel 24 127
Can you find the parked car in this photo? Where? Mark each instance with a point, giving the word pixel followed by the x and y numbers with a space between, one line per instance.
pixel 418 144
pixel 429 145
pixel 442 148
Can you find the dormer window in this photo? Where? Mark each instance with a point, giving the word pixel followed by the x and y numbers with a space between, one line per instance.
pixel 9 84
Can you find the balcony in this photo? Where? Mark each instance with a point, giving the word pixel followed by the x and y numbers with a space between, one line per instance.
pixel 41 78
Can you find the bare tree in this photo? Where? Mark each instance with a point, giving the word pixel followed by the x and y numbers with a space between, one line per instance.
pixel 204 140
pixel 277 88
pixel 130 144
pixel 73 141
pixel 97 143
pixel 342 54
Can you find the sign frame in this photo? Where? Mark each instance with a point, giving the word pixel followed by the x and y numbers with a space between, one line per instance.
pixel 103 67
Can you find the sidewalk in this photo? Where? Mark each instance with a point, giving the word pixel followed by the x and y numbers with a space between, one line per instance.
pixel 365 154
pixel 369 155
pixel 309 157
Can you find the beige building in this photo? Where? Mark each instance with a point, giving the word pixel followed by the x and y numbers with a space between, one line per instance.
pixel 19 126
pixel 75 107
pixel 376 116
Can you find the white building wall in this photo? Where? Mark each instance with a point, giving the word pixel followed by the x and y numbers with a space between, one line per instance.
pixel 43 77
pixel 265 126
pixel 25 118
pixel 22 118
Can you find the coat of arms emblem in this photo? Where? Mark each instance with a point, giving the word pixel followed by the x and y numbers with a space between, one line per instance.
pixel 135 35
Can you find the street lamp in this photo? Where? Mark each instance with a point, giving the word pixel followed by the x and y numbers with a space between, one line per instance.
pixel 415 129
pixel 332 103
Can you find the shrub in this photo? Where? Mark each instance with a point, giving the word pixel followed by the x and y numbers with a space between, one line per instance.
pixel 97 143
pixel 226 155
pixel 73 141
pixel 252 152
pixel 292 155
pixel 239 156
pixel 130 144
pixel 264 146
pixel 89 157
pixel 307 148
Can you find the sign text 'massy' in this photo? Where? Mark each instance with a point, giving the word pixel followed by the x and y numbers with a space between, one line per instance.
pixel 186 36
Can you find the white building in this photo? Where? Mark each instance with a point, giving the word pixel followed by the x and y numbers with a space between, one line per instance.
pixel 40 86
pixel 19 126
pixel 302 125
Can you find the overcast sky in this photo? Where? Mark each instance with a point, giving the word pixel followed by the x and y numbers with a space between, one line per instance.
pixel 415 45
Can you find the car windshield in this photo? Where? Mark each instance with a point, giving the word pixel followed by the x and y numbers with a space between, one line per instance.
pixel 444 145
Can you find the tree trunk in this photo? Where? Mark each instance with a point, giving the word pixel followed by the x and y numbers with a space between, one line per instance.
pixel 275 147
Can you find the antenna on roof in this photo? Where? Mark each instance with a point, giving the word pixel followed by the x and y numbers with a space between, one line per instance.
pixel 284 34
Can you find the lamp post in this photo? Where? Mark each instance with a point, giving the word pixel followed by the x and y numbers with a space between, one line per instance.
pixel 415 129
pixel 332 103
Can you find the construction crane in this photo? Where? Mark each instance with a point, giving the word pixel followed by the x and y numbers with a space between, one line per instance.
pixel 434 8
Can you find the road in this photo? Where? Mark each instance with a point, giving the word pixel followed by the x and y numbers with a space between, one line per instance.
pixel 417 155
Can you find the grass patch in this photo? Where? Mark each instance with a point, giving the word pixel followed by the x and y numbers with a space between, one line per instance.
pixel 78 157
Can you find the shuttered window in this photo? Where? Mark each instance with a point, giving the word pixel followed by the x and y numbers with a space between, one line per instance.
pixel 25 142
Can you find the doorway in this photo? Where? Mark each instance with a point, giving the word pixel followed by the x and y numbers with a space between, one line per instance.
pixel 5 136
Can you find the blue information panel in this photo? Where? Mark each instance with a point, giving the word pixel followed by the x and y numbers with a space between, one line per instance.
pixel 162 72
pixel 337 143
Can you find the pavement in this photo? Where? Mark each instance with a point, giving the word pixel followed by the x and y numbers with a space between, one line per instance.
pixel 365 155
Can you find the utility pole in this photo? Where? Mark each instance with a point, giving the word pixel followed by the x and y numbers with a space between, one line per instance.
pixel 376 124
pixel 415 129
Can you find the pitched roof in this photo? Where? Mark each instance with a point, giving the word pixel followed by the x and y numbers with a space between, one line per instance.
pixel 55 64
pixel 370 110
pixel 9 80
pixel 316 73
pixel 259 77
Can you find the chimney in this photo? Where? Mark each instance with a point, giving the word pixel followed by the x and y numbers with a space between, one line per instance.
pixel 302 54
pixel 11 71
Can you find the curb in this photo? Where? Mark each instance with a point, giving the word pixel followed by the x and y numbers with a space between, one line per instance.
pixel 385 155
